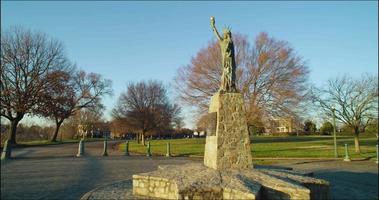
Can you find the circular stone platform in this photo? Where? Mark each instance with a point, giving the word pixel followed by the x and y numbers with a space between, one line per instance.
pixel 195 181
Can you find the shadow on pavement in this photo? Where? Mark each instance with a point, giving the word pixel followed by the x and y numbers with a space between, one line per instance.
pixel 88 175
pixel 328 160
pixel 42 157
pixel 351 185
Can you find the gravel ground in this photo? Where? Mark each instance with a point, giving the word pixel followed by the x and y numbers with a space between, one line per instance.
pixel 53 172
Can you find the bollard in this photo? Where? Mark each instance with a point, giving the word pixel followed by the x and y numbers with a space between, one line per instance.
pixel 334 133
pixel 168 154
pixel 377 154
pixel 6 154
pixel 127 148
pixel 105 152
pixel 148 153
pixel 347 157
pixel 80 148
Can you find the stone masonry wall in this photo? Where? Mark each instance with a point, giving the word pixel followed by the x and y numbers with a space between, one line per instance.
pixel 210 152
pixel 196 181
pixel 154 187
pixel 232 143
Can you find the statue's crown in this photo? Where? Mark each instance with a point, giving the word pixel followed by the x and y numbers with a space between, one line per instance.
pixel 227 29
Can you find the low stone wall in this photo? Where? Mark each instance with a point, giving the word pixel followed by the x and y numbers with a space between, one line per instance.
pixel 318 188
pixel 235 194
pixel 154 187
pixel 201 193
pixel 163 188
pixel 195 181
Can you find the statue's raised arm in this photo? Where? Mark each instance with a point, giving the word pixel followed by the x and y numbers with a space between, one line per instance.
pixel 228 77
pixel 214 29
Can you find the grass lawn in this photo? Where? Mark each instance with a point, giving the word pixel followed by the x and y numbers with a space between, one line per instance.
pixel 268 147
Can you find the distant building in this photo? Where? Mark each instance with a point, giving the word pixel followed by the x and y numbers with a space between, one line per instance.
pixel 199 133
pixel 282 125
pixel 202 133
pixel 94 130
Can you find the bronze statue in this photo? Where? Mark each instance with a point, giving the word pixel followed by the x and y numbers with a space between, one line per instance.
pixel 228 77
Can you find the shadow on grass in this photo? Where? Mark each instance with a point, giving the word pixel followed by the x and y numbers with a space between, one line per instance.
pixel 283 149
pixel 369 141
pixel 187 155
pixel 288 139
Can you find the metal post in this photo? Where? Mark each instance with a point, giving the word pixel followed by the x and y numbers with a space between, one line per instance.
pixel 6 154
pixel 127 148
pixel 80 148
pixel 105 153
pixel 334 134
pixel 347 157
pixel 168 154
pixel 148 153
pixel 377 154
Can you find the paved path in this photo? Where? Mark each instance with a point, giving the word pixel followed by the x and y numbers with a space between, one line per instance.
pixel 349 180
pixel 53 172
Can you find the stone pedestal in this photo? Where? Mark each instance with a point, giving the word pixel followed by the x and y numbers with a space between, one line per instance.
pixel 227 172
pixel 195 181
pixel 227 143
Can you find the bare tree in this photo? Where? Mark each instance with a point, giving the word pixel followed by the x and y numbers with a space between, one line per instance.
pixel 58 99
pixel 355 101
pixel 201 124
pixel 118 127
pixel 178 122
pixel 145 107
pixel 26 60
pixel 70 91
pixel 85 119
pixel 272 78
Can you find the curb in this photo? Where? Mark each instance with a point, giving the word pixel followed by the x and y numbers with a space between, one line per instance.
pixel 88 194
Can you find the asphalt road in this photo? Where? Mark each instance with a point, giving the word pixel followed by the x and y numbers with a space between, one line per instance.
pixel 53 172
pixel 348 180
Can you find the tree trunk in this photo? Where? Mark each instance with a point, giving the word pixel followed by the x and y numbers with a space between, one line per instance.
pixel 143 138
pixel 13 130
pixel 356 140
pixel 138 137
pixel 58 125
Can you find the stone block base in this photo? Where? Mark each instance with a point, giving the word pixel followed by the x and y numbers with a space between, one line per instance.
pixel 155 186
pixel 195 181
pixel 227 143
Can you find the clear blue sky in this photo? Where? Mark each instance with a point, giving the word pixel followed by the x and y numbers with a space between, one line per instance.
pixel 132 41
